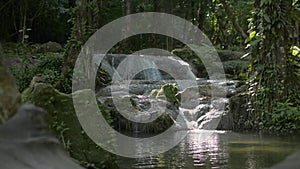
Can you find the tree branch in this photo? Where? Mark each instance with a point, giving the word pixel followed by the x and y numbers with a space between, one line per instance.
pixel 231 16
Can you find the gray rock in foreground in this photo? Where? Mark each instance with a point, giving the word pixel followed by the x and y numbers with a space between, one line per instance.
pixel 291 162
pixel 26 143
pixel 9 94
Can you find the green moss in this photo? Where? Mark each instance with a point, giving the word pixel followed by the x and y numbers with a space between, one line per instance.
pixel 231 60
pixel 64 123
pixel 235 68
pixel 169 92
pixel 153 93
pixel 187 55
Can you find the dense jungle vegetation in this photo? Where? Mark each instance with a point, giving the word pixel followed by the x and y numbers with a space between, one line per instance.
pixel 268 31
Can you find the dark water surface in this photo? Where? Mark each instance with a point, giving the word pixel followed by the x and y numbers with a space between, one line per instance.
pixel 220 150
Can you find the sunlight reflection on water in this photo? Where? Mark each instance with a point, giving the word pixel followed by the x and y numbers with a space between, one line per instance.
pixel 210 149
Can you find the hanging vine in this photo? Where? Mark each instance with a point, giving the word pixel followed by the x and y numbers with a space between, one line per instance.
pixel 269 42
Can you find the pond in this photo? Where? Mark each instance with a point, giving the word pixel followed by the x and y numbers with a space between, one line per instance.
pixel 203 149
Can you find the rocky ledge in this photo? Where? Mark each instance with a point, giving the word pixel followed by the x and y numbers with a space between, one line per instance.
pixel 26 143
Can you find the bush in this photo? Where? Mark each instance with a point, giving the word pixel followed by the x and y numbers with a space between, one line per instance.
pixel 48 66
pixel 285 117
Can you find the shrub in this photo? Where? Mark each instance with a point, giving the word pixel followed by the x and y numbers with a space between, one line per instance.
pixel 48 66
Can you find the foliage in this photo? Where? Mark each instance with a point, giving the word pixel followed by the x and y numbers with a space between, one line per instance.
pixel 190 57
pixel 47 66
pixel 64 123
pixel 32 20
pixel 273 74
pixel 169 91
pixel 285 117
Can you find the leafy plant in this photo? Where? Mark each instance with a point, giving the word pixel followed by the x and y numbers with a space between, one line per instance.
pixel 285 117
pixel 48 67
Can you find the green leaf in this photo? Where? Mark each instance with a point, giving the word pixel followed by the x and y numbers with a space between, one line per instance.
pixel 267 18
pixel 254 43
pixel 295 50
pixel 252 34
pixel 295 53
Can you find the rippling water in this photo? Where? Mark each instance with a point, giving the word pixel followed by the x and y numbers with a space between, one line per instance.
pixel 219 150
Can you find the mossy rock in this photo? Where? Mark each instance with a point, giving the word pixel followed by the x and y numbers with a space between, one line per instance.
pixel 153 93
pixel 192 59
pixel 168 92
pixel 235 67
pixel 129 106
pixel 228 58
pixel 226 55
pixel 9 94
pixel 47 47
pixel 65 124
pixel 238 110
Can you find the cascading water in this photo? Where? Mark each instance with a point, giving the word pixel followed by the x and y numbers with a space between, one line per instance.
pixel 131 67
pixel 200 112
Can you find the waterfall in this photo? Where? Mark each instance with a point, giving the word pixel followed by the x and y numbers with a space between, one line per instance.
pixel 202 104
pixel 128 67
pixel 139 68
pixel 206 115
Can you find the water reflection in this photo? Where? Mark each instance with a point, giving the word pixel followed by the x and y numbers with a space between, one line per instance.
pixel 219 150
pixel 205 149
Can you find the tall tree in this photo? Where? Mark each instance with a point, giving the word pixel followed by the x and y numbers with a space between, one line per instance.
pixel 270 50
pixel 232 18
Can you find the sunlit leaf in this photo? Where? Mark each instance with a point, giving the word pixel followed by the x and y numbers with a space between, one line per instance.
pixel 252 34
pixel 295 50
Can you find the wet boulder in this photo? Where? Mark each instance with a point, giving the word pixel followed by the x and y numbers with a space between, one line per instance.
pixel 231 60
pixel 291 162
pixel 9 94
pixel 64 122
pixel 139 114
pixel 27 143
pixel 47 47
pixel 238 111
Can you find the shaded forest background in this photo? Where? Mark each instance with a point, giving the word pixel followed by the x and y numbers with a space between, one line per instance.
pixel 267 30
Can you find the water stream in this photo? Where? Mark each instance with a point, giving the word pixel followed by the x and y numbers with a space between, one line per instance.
pixel 203 149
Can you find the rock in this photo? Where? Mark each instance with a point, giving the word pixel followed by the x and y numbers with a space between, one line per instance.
pixel 9 94
pixel 26 143
pixel 238 111
pixel 217 118
pixel 168 92
pixel 234 67
pixel 226 121
pixel 156 120
pixel 226 55
pixel 153 93
pixel 195 92
pixel 47 47
pixel 231 60
pixel 153 67
pixel 135 88
pixel 291 162
pixel 65 124
pixel 192 59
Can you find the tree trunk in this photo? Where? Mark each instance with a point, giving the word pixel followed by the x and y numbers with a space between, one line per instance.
pixel 23 21
pixel 235 24
pixel 156 6
pixel 128 7
pixel 168 5
pixel 269 84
